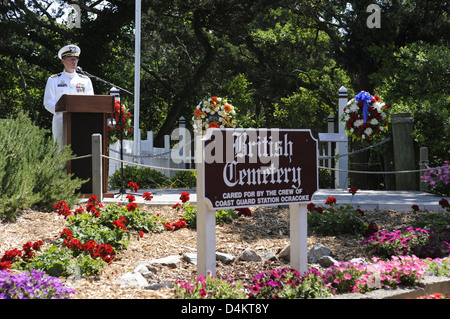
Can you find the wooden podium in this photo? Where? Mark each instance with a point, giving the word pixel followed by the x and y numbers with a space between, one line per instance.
pixel 84 115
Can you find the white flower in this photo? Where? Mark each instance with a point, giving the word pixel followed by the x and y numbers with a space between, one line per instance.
pixel 383 115
pixel 358 123
pixel 368 131
pixel 353 107
pixel 346 117
pixel 374 121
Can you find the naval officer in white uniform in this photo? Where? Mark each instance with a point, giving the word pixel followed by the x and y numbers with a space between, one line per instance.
pixel 66 82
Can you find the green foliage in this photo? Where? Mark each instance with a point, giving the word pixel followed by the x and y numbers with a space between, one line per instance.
pixel 54 261
pixel 435 221
pixel 438 267
pixel 190 215
pixel 222 215
pixel 32 169
pixel 325 179
pixel 59 261
pixel 414 79
pixel 337 219
pixel 184 179
pixel 144 177
pixel 135 219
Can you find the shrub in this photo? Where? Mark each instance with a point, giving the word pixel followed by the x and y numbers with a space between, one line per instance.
pixel 184 179
pixel 334 219
pixel 144 177
pixel 222 215
pixel 32 169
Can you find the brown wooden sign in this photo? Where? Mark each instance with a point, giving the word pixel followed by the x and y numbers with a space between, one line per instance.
pixel 259 167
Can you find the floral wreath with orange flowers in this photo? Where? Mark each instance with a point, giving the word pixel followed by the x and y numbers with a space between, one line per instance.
pixel 213 112
pixel 121 118
pixel 365 117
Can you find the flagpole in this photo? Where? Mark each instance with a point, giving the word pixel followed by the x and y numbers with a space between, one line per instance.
pixel 137 78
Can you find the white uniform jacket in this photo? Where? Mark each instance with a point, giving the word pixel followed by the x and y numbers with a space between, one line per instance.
pixel 58 85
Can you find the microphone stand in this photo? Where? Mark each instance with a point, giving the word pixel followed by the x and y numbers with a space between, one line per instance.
pixel 122 190
pixel 79 69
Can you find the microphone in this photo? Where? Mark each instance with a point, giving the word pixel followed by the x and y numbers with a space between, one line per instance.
pixel 79 70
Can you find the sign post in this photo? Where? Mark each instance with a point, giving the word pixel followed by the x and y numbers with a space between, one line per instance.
pixel 206 221
pixel 239 168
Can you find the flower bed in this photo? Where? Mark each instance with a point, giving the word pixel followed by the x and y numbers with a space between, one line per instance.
pixel 125 222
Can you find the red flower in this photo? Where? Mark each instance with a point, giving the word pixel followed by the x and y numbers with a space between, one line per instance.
pixel 181 223
pixel 147 196
pixel 37 245
pixel 415 208
pixel 184 197
pixel 131 206
pixel 131 198
pixel 141 234
pixel 79 211
pixel 91 247
pixel 360 211
pixel 330 200
pixel 62 209
pixel 9 255
pixel 66 234
pixel 444 203
pixel 119 224
pixel 371 229
pixel 353 190
pixel 311 207
pixel 319 210
pixel 176 205
pixel 244 212
pixel 5 265
pixel 133 186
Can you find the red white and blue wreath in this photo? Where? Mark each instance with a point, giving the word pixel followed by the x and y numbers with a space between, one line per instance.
pixel 365 117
